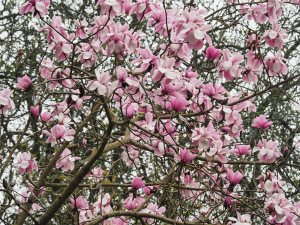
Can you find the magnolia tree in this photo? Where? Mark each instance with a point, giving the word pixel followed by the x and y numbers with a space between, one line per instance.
pixel 150 112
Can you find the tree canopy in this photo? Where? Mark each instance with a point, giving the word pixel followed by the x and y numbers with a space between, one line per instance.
pixel 149 112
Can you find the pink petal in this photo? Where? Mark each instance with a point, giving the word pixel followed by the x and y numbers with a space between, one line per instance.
pixel 24 164
pixel 40 7
pixel 4 101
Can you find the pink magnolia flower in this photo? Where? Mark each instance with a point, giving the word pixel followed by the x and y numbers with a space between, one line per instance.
pixel 148 124
pixel 106 5
pixel 45 116
pixel 60 112
pixel 270 182
pixel 153 209
pixel 47 70
pixel 215 91
pixel 257 12
pixel 275 64
pixel 76 100
pixel 178 103
pixel 35 111
pixel 66 161
pixel 183 50
pixel 35 6
pixel 24 196
pixel 227 201
pixel 59 39
pixel 170 86
pixel 59 132
pixel 261 122
pixel 102 84
pixel 189 182
pixel 275 37
pixel 146 61
pixel 267 151
pixel 150 189
pixel 205 136
pixel 229 65
pixel 242 149
pixel 88 53
pixel 119 39
pixel 24 83
pixel 244 219
pixel 103 204
pixel 234 178
pixel 274 10
pixel 132 202
pixel 158 19
pixel 196 31
pixel 55 76
pixel 81 31
pixel 36 207
pixel 25 163
pixel 129 109
pixel 79 203
pixel 253 67
pixel 281 210
pixel 96 174
pixel 131 156
pixel 232 116
pixel 160 148
pixel 137 183
pixel 121 74
pixel 5 101
pixel 185 156
pixel 217 152
pixel 189 73
pixel 62 50
pixel 212 53
pixel 142 7
pixel 55 31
